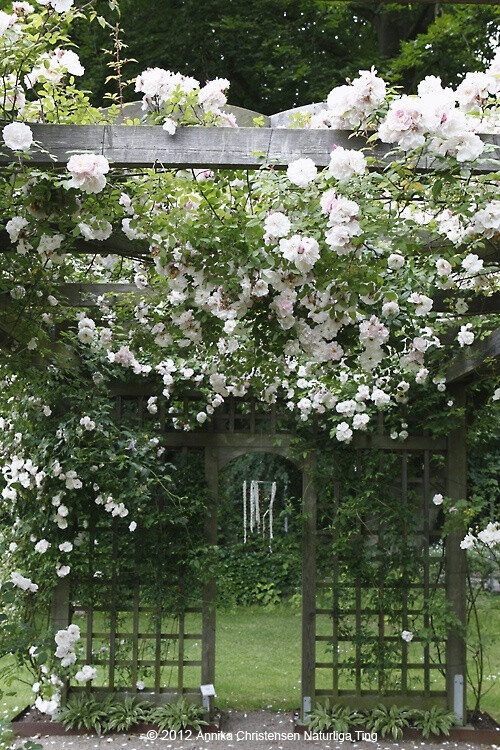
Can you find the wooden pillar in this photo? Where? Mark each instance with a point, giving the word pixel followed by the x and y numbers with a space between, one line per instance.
pixel 209 588
pixel 456 489
pixel 60 617
pixel 308 587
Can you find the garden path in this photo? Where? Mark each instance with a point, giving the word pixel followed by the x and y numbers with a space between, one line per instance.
pixel 240 731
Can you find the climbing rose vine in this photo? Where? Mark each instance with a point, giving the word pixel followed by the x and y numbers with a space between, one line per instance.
pixel 340 291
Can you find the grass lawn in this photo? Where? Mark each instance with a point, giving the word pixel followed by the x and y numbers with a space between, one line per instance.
pixel 258 660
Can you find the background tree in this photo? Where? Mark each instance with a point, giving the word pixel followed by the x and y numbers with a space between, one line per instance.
pixel 284 53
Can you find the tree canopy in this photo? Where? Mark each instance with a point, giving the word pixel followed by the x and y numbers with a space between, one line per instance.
pixel 285 53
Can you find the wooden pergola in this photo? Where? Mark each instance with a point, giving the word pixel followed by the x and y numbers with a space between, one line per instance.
pixel 140 146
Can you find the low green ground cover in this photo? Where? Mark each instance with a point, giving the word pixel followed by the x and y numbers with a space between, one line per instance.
pixel 258 659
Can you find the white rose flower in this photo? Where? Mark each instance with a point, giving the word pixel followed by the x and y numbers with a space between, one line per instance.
pixel 86 673
pixel 472 264
pixel 87 423
pixel 438 499
pixel 17 136
pixel 303 251
pixel 465 336
pixel 360 421
pixel 343 433
pixel 421 375
pixel 169 125
pixel 277 224
pixel 301 172
pixel 423 303
pixel 395 261
pixel 15 226
pixel 345 163
pixel 23 583
pixel 468 541
pixel 407 636
pixel 443 267
pixel 88 172
pixel 390 308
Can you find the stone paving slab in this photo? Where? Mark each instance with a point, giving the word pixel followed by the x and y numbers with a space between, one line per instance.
pixel 259 730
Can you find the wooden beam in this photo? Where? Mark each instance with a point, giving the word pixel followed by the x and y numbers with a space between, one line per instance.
pixel 477 305
pixel 117 244
pixel 150 146
pixel 86 294
pixel 472 360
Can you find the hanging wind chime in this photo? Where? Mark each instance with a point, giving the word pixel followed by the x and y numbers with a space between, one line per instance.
pixel 258 520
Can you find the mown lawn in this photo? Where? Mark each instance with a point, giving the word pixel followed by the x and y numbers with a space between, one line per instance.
pixel 258 660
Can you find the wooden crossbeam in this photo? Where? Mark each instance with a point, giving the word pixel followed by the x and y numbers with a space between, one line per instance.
pixel 472 360
pixel 142 146
pixel 86 294
pixel 117 244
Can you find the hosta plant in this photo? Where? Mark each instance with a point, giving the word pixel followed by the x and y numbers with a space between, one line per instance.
pixel 86 712
pixel 177 716
pixel 435 721
pixel 386 720
pixel 127 713
pixel 334 718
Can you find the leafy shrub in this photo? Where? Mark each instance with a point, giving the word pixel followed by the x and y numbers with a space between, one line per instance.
pixel 436 721
pixel 246 572
pixel 178 716
pixel 112 715
pixel 266 594
pixel 335 718
pixel 86 712
pixel 127 713
pixel 388 720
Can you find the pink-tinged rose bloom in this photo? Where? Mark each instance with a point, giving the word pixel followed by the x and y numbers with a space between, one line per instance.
pixel 88 172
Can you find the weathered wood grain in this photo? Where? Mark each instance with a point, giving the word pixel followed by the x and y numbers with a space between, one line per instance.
pixel 143 146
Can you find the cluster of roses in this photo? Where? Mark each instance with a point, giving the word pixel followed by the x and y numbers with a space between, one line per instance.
pixel 489 537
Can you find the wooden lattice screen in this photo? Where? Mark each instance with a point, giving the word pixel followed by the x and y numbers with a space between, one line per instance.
pixel 135 635
pixel 362 611
pixel 129 639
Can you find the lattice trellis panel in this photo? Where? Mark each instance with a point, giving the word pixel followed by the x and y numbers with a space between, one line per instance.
pixel 137 634
pixel 363 607
pixel 139 611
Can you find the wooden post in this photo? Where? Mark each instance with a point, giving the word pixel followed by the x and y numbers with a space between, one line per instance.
pixel 308 587
pixel 456 489
pixel 209 588
pixel 60 617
